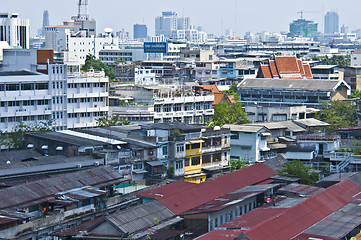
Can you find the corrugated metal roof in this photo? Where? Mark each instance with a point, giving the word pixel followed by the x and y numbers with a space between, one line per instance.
pixel 36 191
pixel 140 217
pixel 300 189
pixel 191 196
pixel 287 223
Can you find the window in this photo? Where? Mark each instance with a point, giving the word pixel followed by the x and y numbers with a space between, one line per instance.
pixel 12 87
pixel 165 150
pixel 196 161
pixel 137 166
pixel 167 108
pixel 41 86
pixel 198 106
pixel 235 135
pixel 178 165
pixel 186 162
pixel 157 108
pixel 196 145
pixel 178 107
pixel 180 147
pixel 27 86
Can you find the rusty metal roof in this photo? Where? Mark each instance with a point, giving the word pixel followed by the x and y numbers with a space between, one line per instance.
pixel 34 192
pixel 189 196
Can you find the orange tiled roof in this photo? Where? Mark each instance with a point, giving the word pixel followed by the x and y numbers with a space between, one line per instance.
pixel 212 88
pixel 300 66
pixel 264 72
pixel 273 69
pixel 218 98
pixel 287 64
pixel 308 71
pixel 232 99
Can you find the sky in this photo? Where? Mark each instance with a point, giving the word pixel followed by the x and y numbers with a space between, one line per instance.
pixel 215 16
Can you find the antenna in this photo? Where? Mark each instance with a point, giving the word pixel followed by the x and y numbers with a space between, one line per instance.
pixel 83 10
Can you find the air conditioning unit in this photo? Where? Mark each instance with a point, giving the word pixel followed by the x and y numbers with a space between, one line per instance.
pixel 78 166
pixel 96 163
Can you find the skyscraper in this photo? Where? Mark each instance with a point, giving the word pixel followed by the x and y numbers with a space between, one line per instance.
pixel 170 21
pixel 140 31
pixel 45 21
pixel 331 22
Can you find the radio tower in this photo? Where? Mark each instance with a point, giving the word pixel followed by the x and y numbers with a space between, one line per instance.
pixel 83 10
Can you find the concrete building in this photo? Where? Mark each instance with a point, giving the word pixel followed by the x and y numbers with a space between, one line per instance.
pixel 168 22
pixel 140 31
pixel 160 104
pixel 59 99
pixel 356 58
pixel 327 72
pixel 63 39
pixel 248 143
pixel 352 75
pixel 303 28
pixel 287 92
pixel 331 23
pixel 14 30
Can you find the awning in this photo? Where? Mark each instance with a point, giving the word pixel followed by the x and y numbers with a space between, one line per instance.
pixel 155 163
pixel 265 149
pixel 194 175
pixel 139 171
pixel 194 141
pixel 265 134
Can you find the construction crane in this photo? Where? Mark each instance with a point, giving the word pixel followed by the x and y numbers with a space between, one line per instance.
pixel 301 12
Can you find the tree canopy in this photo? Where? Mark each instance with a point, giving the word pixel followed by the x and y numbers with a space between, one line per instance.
pixel 225 113
pixel 233 91
pixel 107 121
pixel 237 164
pixel 297 169
pixel 15 138
pixel 355 94
pixel 339 114
pixel 97 65
pixel 339 60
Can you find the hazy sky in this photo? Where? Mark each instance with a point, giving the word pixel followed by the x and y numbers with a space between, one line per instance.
pixel 215 16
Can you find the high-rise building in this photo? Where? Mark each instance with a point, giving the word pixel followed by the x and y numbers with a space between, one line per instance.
pixel 140 31
pixel 168 22
pixel 14 30
pixel 331 22
pixel 45 21
pixel 303 28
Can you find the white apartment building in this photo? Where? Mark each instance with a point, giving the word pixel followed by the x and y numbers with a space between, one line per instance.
pixel 145 77
pixel 14 30
pixel 64 100
pixel 160 104
pixel 62 39
pixel 191 35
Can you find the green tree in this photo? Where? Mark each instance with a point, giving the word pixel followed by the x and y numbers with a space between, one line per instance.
pixel 339 60
pixel 237 164
pixel 297 169
pixel 97 65
pixel 339 114
pixel 233 91
pixel 107 121
pixel 225 113
pixel 15 138
pixel 355 94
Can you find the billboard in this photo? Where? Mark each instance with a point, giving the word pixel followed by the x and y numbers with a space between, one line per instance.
pixel 155 47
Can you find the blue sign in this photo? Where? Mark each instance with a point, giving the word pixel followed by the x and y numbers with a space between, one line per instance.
pixel 155 47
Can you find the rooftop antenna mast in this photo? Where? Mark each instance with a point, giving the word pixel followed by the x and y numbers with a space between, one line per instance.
pixel 83 10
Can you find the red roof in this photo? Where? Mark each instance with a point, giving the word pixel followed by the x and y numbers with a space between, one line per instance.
pixel 287 64
pixel 307 236
pixel 179 197
pixel 285 68
pixel 287 223
pixel 264 72
pixel 300 67
pixel 220 97
pixel 273 69
pixel 308 71
pixel 211 88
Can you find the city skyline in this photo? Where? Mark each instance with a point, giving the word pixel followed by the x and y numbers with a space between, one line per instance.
pixel 214 18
